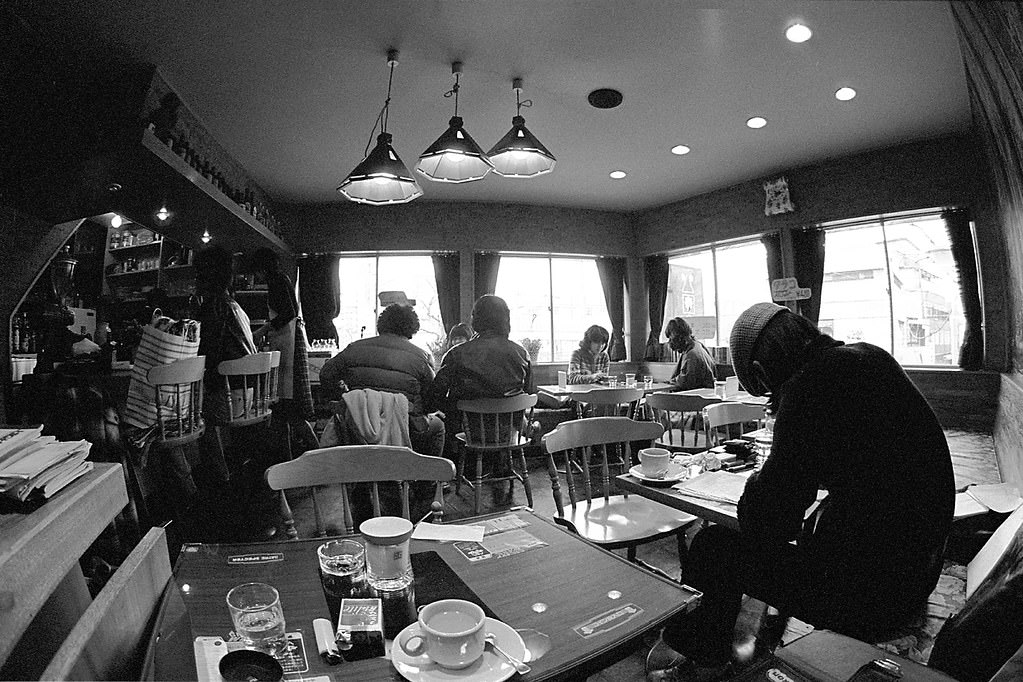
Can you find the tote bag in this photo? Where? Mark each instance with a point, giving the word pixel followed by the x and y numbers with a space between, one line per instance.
pixel 163 341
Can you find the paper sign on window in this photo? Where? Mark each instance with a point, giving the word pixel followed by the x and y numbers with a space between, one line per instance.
pixel 788 289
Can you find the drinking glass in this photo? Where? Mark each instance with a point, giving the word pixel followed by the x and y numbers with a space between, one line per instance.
pixel 612 382
pixel 258 617
pixel 342 572
pixel 630 381
pixel 648 382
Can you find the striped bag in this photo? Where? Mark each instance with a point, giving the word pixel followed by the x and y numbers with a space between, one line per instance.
pixel 163 341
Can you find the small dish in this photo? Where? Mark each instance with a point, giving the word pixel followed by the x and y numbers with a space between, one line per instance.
pixel 247 664
pixel 490 667
pixel 676 472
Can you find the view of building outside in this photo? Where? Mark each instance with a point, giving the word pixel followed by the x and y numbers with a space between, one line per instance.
pixel 553 300
pixel 363 277
pixel 709 288
pixel 908 303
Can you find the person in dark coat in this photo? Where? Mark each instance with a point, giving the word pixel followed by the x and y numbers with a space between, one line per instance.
pixel 695 368
pixel 391 362
pixel 850 422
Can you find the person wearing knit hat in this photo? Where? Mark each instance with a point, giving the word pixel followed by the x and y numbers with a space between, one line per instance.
pixel 848 420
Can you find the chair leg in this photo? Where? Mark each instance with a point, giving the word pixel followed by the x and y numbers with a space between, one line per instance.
pixel 479 482
pixel 320 530
pixel 217 458
pixel 525 478
pixel 459 469
pixel 289 518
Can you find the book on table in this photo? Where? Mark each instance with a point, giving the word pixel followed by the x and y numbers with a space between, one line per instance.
pixel 34 466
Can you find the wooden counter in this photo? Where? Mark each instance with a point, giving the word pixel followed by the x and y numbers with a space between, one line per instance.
pixel 39 555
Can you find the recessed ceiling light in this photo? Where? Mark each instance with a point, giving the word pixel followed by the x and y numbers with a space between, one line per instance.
pixel 617 175
pixel 798 33
pixel 845 94
pixel 756 122
pixel 680 149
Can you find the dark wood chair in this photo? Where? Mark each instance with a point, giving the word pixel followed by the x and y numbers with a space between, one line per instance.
pixel 494 428
pixel 178 398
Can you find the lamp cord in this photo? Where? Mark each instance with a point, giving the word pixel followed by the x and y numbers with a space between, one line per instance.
pixel 454 91
pixel 382 116
pixel 521 103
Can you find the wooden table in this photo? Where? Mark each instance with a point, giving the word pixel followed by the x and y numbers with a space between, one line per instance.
pixel 39 570
pixel 557 589
pixel 572 389
pixel 740 397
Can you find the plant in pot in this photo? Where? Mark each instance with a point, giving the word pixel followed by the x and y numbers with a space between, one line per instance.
pixel 532 347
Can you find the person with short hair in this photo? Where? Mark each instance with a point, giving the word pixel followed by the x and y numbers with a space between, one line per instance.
pixel 695 368
pixel 489 365
pixel 851 422
pixel 391 362
pixel 590 362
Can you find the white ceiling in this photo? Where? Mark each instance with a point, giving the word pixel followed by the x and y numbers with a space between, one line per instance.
pixel 292 89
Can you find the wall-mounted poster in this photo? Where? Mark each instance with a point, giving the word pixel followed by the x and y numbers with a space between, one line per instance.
pixel 777 198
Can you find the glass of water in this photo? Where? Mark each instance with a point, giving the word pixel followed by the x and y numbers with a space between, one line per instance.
pixel 258 617
pixel 648 382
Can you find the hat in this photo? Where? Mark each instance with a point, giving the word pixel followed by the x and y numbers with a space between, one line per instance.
pixel 745 334
pixel 395 297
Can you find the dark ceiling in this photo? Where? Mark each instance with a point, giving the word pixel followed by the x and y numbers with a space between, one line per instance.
pixel 292 89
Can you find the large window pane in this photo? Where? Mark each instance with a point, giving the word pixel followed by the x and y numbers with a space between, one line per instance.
pixel 578 303
pixel 362 278
pixel 691 294
pixel 524 284
pixel 854 299
pixel 908 304
pixel 741 282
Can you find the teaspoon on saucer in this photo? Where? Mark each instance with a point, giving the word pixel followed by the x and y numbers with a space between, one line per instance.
pixel 520 667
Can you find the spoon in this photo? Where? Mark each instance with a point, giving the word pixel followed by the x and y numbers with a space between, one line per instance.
pixel 520 667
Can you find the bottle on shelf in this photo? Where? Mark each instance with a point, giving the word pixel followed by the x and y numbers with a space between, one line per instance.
pixel 16 334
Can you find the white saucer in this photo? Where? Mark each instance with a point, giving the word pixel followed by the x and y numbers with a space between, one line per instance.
pixel 676 472
pixel 491 667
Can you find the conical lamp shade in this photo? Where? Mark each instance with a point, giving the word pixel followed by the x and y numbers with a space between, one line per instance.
pixel 519 154
pixel 454 157
pixel 381 178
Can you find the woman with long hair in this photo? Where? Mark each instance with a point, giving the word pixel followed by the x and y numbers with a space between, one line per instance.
pixel 590 362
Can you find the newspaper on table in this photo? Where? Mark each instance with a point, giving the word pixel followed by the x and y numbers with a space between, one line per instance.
pixel 719 486
pixel 33 465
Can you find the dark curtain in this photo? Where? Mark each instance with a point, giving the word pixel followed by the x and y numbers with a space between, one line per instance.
pixel 656 269
pixel 808 252
pixel 319 291
pixel 484 272
pixel 957 222
pixel 612 280
pixel 772 242
pixel 449 292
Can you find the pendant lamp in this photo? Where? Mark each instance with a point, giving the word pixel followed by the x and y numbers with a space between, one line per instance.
pixel 519 154
pixel 455 156
pixel 382 178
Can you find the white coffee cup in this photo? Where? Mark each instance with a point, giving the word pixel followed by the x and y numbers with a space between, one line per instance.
pixel 449 632
pixel 653 462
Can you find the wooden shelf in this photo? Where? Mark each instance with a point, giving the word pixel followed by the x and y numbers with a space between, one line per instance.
pixel 151 271
pixel 172 268
pixel 134 248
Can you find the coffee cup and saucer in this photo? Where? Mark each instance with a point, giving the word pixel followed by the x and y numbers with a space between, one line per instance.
pixel 447 642
pixel 657 468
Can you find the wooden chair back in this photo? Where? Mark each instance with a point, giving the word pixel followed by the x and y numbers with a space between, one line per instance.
pixel 611 402
pixel 178 394
pixel 373 464
pixel 582 440
pixel 726 414
pixel 109 641
pixel 495 423
pixel 670 410
pixel 275 376
pixel 247 383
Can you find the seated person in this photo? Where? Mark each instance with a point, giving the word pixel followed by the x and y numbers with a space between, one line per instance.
pixel 695 369
pixel 849 421
pixel 590 362
pixel 459 334
pixel 391 362
pixel 489 365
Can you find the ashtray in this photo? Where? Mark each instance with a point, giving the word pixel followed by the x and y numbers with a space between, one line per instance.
pixel 248 665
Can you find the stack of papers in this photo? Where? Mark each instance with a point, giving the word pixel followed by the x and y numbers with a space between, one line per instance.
pixel 1001 498
pixel 35 466
pixel 719 486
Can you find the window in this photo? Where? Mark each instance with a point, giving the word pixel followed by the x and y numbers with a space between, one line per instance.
pixel 892 282
pixel 362 277
pixel 709 288
pixel 553 300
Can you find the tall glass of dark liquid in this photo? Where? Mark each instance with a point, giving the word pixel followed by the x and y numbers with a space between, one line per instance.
pixel 342 572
